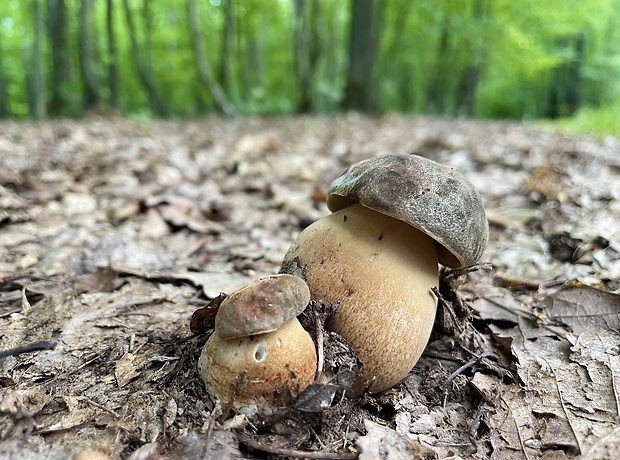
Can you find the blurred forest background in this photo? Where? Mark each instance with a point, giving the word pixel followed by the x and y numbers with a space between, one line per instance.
pixel 525 59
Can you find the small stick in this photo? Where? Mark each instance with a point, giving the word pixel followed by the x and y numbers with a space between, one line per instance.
pixel 31 348
pixel 103 408
pixel 320 349
pixel 456 272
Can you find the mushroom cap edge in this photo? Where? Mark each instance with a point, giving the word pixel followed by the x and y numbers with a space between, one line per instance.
pixel 262 306
pixel 435 199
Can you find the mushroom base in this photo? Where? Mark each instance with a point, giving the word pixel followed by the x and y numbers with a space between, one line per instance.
pixel 259 372
pixel 381 270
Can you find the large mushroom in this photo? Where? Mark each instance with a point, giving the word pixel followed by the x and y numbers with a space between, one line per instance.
pixel 394 218
pixel 259 357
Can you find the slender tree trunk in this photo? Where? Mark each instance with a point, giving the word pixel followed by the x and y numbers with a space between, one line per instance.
pixel 112 67
pixel 332 60
pixel 254 58
pixel 435 94
pixel 360 94
pixel 301 63
pixel 145 77
pixel 61 74
pixel 147 44
pixel 243 79
pixel 4 102
pixel 204 69
pixel 402 72
pixel 37 83
pixel 90 84
pixel 227 47
pixel 565 84
pixel 468 88
pixel 574 76
pixel 306 50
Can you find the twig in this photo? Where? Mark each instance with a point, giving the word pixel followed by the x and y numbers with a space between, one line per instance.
pixel 516 282
pixel 320 349
pixel 446 305
pixel 103 408
pixel 297 453
pixel 450 273
pixel 205 455
pixel 430 354
pixel 31 348
pixel 472 362
pixel 9 312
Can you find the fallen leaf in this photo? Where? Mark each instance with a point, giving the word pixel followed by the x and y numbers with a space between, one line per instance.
pixel 383 443
pixel 203 319
pixel 125 370
pixel 585 309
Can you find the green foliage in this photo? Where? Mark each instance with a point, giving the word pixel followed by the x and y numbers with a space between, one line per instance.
pixel 591 120
pixel 484 58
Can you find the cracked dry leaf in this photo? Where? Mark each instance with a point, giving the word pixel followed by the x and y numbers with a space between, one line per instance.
pixel 568 402
pixel 125 370
pixel 585 309
pixel 598 355
pixel 383 443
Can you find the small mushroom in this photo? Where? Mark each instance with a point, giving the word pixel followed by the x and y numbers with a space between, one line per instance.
pixel 259 357
pixel 394 218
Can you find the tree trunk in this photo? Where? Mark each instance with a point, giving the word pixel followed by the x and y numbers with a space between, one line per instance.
pixel 90 85
pixel 112 56
pixel 306 50
pixel 401 71
pixel 147 46
pixel 37 83
pixel 332 60
pixel 435 94
pixel 144 76
pixel 573 75
pixel 467 90
pixel 4 102
pixel 360 94
pixel 468 87
pixel 204 69
pixel 227 47
pixel 61 73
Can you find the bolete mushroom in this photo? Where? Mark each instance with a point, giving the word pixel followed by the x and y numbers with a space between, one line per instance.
pixel 394 218
pixel 259 357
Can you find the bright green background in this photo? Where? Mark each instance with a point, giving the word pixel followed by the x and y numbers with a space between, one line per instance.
pixel 521 49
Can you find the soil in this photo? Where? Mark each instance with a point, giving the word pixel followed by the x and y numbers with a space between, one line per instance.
pixel 113 232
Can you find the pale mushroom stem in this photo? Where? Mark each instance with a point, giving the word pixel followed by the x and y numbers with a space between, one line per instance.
pixel 381 270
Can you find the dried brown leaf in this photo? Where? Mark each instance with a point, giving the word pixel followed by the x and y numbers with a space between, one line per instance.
pixel 586 309
pixel 383 443
pixel 125 370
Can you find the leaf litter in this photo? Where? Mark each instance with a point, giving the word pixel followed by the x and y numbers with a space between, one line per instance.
pixel 112 233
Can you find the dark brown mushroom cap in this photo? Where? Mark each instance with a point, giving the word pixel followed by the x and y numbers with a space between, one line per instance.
pixel 433 198
pixel 262 306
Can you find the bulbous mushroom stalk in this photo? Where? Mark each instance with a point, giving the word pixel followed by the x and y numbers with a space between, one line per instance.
pixel 259 357
pixel 394 218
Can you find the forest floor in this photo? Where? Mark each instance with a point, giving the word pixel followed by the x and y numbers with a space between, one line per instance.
pixel 112 233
